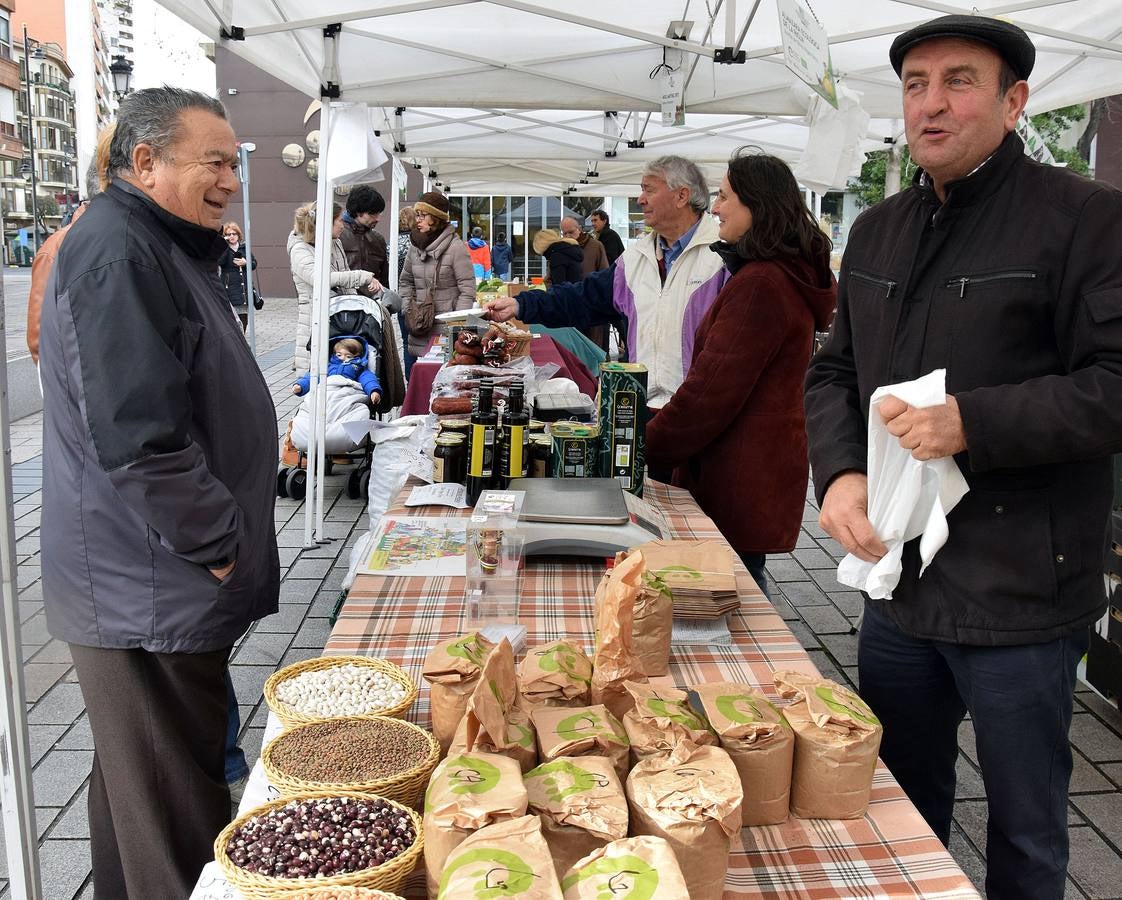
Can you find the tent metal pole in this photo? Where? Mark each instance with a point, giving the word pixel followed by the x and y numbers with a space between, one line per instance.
pixel 20 836
pixel 355 16
pixel 396 187
pixel 243 172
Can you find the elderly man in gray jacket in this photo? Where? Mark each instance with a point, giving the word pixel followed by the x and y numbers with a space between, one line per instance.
pixel 159 445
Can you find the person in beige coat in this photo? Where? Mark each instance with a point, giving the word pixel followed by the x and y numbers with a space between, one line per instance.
pixel 302 258
pixel 437 260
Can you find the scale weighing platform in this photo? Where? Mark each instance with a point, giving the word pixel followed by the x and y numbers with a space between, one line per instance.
pixel 583 517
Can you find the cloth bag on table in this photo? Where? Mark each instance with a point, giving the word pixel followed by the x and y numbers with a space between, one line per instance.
pixel 907 497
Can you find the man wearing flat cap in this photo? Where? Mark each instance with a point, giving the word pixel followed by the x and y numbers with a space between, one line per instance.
pixel 995 268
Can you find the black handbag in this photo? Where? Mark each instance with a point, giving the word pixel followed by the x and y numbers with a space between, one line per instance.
pixel 258 300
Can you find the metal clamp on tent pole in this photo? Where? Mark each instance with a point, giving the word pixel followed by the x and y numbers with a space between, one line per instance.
pixel 232 33
pixel 611 133
pixel 730 53
pixel 329 84
pixel 399 130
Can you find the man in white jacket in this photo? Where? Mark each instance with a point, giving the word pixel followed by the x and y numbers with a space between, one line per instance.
pixel 662 285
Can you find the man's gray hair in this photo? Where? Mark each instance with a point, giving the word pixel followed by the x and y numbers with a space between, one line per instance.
pixel 93 180
pixel 151 116
pixel 679 172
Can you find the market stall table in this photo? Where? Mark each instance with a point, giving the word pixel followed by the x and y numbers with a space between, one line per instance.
pixel 888 852
pixel 543 349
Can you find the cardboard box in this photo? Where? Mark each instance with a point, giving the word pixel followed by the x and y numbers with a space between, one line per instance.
pixel 621 400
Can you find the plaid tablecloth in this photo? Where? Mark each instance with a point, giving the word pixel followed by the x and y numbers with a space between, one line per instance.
pixel 889 853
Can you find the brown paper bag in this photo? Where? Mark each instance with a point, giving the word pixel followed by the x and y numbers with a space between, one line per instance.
pixel 662 719
pixel 653 623
pixel 493 722
pixel 691 797
pixel 510 859
pixel 556 674
pixel 691 567
pixel 635 867
pixel 615 661
pixel 837 738
pixel 466 793
pixel 760 743
pixel 452 669
pixel 588 731
pixel 582 805
pixel 521 744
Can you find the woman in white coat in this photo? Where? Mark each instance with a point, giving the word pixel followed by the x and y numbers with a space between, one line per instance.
pixel 301 256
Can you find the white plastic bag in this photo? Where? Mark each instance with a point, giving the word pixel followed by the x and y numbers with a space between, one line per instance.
pixel 907 497
pixel 392 462
pixel 833 151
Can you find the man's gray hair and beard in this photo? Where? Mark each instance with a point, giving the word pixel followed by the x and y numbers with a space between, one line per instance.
pixel 151 116
pixel 679 172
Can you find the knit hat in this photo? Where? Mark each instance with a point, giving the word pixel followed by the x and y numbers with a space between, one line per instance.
pixel 433 203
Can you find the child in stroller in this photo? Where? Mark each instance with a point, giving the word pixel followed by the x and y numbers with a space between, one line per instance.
pixel 348 359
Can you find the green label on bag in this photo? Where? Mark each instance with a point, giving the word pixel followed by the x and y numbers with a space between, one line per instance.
pixel 584 725
pixel 471 775
pixel 563 778
pixel 520 734
pixel 848 705
pixel 561 659
pixel 468 648
pixel 494 873
pixel 618 878
pixel 676 711
pixel 678 573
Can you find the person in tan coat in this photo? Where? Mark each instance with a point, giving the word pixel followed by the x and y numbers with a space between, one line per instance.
pixel 438 265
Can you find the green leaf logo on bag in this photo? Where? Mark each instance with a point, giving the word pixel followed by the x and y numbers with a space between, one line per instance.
pixel 468 648
pixel 849 705
pixel 499 874
pixel 679 573
pixel 520 734
pixel 470 775
pixel 561 659
pixel 731 706
pixel 676 711
pixel 554 776
pixel 584 725
pixel 624 878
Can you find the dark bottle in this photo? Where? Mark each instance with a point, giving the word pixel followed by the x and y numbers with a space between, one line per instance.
pixel 514 449
pixel 481 465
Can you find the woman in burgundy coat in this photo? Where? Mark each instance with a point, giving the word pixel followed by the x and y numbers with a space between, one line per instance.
pixel 734 431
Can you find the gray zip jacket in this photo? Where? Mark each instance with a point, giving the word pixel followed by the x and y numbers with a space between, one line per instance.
pixel 159 439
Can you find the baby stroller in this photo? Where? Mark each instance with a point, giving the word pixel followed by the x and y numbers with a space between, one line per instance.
pixel 368 321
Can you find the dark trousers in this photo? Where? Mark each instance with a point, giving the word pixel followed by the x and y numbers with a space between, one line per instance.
pixel 1020 701
pixel 756 564
pixel 158 797
pixel 236 766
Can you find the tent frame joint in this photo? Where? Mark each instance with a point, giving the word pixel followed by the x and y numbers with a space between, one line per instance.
pixel 233 33
pixel 330 91
pixel 728 56
pixel 333 30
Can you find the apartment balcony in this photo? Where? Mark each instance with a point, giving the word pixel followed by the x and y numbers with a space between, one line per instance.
pixel 10 73
pixel 11 147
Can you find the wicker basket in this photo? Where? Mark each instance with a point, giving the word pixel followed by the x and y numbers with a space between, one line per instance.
pixel 389 876
pixel 406 787
pixel 347 893
pixel 290 717
pixel 518 337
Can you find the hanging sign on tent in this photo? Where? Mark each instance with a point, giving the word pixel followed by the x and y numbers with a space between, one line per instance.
pixel 1035 148
pixel 806 48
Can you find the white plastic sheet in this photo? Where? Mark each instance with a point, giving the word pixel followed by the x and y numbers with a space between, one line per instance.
pixel 907 497
pixel 833 151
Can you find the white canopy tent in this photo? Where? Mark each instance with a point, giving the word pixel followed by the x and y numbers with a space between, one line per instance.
pixel 511 95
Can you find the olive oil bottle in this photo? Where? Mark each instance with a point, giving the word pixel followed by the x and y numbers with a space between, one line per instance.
pixel 481 465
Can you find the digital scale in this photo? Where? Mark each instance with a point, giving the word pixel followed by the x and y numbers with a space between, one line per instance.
pixel 583 517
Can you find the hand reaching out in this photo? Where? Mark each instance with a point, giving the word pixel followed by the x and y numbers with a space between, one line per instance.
pixel 845 516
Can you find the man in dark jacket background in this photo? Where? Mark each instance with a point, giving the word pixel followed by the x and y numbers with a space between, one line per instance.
pixel 999 270
pixel 159 447
pixel 364 247
pixel 613 245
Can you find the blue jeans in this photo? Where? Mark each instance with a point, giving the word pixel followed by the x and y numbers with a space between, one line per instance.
pixel 236 766
pixel 1020 700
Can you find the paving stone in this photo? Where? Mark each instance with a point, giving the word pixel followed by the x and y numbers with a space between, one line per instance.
pixel 851 603
pixel 41 738
pixel 1097 742
pixel 781 570
pixel 65 866
pixel 1094 864
pixel 826 666
pixel 783 606
pixel 1072 892
pixel 29 608
pixel 814 559
pixel 971 818
pixel 61 705
pixel 313 633
pixel 803 594
pixel 968 781
pixel 250 742
pixel 290 538
pixel 324 605
pixel 299 654
pixel 309 568
pixel 59 776
pixel 79 737
pixel 1104 811
pixel 842 647
pixel 288 555
pixel 26 575
pixel 834 548
pixel 967 741
pixel 815 530
pixel 287 619
pixel 852 673
pixel 38 678
pixel 328 550
pixel 299 590
pixel 263 648
pixel 969 860
pixel 74 822
pixel 1086 779
pixel 1104 709
pixel 805 541
pixel 807 638
pixel 1113 771
pixel 54 652
pixel 34 630
pixel 33 593
pixel 334 579
pixel 249 680
pixel 827 580
pixel 825 620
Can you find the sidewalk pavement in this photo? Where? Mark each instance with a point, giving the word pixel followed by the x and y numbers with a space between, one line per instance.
pixel 820 611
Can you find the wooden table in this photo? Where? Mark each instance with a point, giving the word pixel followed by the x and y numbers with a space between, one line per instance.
pixel 890 852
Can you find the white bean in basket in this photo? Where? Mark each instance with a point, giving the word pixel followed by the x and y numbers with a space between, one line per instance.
pixel 347 690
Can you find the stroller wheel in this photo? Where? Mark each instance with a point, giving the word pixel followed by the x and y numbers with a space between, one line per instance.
pixel 364 483
pixel 353 489
pixel 282 481
pixel 297 484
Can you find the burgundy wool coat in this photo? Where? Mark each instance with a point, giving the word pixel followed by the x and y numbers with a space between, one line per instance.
pixel 734 431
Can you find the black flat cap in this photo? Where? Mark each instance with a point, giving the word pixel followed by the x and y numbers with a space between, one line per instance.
pixel 1015 47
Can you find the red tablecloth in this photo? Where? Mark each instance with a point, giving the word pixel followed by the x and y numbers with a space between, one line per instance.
pixel 543 349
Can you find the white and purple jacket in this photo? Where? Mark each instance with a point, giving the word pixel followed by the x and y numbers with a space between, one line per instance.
pixel 660 318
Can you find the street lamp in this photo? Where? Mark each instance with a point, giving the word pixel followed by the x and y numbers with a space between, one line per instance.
pixel 121 70
pixel 27 54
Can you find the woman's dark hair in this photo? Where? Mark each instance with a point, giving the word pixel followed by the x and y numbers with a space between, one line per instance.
pixel 781 223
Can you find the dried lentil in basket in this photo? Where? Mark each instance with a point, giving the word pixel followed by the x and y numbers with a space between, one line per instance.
pixel 330 836
pixel 342 752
